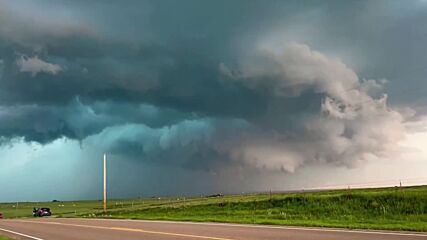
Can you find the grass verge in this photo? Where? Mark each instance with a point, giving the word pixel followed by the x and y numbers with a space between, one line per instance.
pixel 383 208
pixel 5 238
pixel 389 209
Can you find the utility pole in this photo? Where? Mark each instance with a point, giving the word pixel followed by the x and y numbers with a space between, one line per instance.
pixel 105 182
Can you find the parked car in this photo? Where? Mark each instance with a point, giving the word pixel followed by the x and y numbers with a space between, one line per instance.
pixel 41 212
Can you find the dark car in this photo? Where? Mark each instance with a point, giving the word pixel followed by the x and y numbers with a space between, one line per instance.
pixel 41 212
pixel 1 215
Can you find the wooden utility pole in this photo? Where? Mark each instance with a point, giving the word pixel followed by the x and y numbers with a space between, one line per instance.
pixel 105 183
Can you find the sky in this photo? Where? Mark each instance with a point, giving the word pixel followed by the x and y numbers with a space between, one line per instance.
pixel 201 97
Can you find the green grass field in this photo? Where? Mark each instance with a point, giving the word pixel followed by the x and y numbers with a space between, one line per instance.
pixel 384 208
pixel 5 238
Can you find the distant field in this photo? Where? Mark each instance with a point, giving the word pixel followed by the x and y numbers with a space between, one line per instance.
pixel 384 208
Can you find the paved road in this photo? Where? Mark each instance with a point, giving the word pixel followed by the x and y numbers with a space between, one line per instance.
pixel 87 229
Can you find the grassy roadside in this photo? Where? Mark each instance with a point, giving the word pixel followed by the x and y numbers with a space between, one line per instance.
pixel 390 209
pixel 384 208
pixel 5 238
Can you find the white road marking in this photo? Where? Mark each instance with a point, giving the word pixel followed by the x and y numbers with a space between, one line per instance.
pixel 267 227
pixel 247 226
pixel 130 230
pixel 20 234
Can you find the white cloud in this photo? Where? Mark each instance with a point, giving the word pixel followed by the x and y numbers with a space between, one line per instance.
pixel 35 65
pixel 350 126
pixel 298 68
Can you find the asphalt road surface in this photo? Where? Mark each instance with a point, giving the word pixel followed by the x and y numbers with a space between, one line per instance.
pixel 94 229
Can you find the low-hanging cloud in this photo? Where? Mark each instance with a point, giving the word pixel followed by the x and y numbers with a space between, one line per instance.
pixel 35 65
pixel 317 111
pixel 345 127
pixel 349 127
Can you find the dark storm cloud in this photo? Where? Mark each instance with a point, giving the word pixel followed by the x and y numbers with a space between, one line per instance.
pixel 207 77
pixel 43 124
pixel 195 144
pixel 97 67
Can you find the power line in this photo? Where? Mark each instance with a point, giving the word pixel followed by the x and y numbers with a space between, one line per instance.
pixel 395 182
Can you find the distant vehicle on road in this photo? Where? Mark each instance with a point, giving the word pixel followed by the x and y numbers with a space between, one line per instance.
pixel 41 212
pixel 215 195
